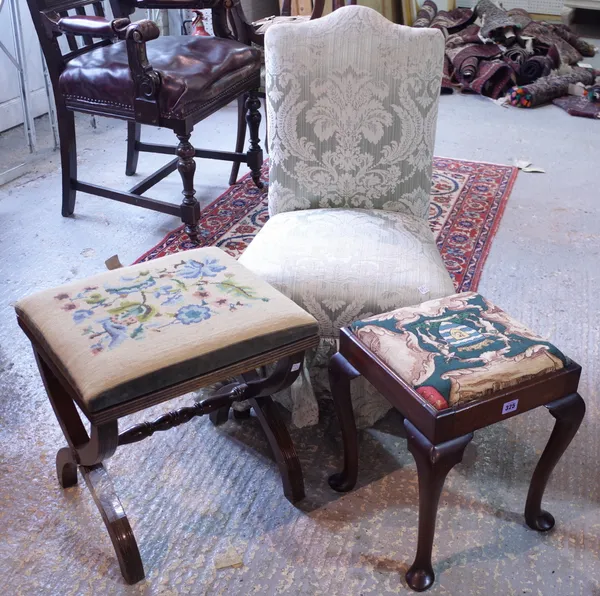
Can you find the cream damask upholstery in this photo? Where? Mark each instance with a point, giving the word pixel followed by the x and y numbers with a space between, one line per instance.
pixel 351 106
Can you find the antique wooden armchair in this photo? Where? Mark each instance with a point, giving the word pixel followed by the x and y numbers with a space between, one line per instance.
pixel 124 70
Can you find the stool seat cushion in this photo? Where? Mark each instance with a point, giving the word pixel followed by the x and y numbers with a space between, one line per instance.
pixel 139 329
pixel 457 349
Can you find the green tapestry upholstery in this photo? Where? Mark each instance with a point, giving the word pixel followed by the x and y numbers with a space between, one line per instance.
pixel 457 349
pixel 131 331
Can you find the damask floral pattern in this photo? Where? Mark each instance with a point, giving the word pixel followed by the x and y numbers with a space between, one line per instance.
pixel 351 114
pixel 356 132
pixel 186 293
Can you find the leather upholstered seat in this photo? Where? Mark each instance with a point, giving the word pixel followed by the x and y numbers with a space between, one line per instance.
pixel 193 72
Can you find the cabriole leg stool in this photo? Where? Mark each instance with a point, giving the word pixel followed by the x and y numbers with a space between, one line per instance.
pixel 128 339
pixel 452 366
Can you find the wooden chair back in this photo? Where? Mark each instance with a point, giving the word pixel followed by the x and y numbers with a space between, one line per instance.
pixel 46 12
pixel 243 31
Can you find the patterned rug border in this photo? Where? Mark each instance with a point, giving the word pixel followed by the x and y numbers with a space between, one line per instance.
pixel 211 206
pixel 473 269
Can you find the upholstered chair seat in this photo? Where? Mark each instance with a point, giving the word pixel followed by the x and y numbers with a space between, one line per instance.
pixel 351 106
pixel 194 70
pixel 381 260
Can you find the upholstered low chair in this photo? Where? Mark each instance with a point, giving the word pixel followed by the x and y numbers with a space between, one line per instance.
pixel 352 106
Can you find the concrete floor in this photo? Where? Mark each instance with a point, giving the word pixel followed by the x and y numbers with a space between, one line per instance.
pixel 543 268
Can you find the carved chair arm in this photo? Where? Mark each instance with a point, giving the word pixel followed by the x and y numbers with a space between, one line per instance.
pixel 141 31
pixel 86 25
pixel 146 79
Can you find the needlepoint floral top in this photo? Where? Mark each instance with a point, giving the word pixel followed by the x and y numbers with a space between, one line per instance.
pixel 185 293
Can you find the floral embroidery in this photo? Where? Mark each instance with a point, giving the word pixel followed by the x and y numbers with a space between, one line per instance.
pixel 192 313
pixel 186 293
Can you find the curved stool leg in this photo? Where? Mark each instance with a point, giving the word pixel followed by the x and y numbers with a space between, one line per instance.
pixel 433 464
pixel 87 453
pixel 341 372
pixel 569 412
pixel 282 446
pixel 116 522
pixel 66 468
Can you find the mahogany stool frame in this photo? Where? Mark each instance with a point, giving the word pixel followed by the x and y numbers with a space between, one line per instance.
pixel 437 439
pixel 87 453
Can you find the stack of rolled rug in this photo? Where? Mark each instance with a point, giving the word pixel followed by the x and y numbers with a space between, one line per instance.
pixel 551 87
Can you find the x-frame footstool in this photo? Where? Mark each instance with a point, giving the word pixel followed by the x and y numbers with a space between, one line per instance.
pixel 126 340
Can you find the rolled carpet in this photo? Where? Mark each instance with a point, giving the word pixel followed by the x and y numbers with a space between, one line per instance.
pixel 521 17
pixel 454 20
pixel 494 20
pixel 447 87
pixel 546 89
pixel 516 54
pixel 593 93
pixel 492 79
pixel 544 37
pixel 582 46
pixel 534 68
pixel 578 106
pixel 426 14
pixel 515 57
pixel 468 69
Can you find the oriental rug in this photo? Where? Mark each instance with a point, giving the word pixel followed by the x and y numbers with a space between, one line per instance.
pixel 467 202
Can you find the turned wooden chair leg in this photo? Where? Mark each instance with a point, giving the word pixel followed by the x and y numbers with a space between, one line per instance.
pixel 241 138
pixel 341 372
pixel 86 454
pixel 569 412
pixel 68 158
pixel 282 447
pixel 255 154
pixel 133 138
pixel 186 166
pixel 433 464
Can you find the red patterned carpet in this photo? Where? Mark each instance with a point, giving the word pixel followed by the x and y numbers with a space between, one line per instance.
pixel 467 202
